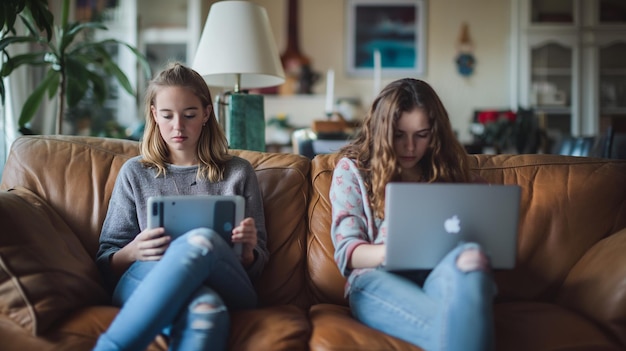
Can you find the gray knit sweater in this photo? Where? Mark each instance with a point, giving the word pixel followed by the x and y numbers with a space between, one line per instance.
pixel 127 213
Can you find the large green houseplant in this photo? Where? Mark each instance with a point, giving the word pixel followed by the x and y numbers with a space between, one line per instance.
pixel 74 66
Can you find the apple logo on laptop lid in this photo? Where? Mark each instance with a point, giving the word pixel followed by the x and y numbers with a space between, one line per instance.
pixel 452 225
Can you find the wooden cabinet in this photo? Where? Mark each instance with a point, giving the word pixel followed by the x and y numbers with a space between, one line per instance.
pixel 569 62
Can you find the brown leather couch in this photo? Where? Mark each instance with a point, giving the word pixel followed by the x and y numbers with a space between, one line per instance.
pixel 568 291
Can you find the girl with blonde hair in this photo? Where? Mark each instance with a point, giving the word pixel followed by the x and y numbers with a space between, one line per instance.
pixel 183 288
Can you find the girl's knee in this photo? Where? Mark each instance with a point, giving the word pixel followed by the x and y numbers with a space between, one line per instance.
pixel 205 239
pixel 472 258
pixel 206 316
pixel 201 240
pixel 207 311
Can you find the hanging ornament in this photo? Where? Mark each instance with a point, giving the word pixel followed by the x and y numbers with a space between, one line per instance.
pixel 299 74
pixel 465 60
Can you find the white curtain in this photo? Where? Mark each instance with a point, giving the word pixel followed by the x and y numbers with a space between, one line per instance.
pixel 15 92
pixel 8 125
pixel 4 137
pixel 18 86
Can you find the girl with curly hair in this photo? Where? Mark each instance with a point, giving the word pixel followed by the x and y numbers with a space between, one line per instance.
pixel 407 137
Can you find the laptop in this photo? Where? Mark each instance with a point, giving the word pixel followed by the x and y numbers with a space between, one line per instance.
pixel 426 221
pixel 179 214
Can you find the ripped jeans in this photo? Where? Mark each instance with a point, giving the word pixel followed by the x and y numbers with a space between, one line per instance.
pixel 453 310
pixel 186 296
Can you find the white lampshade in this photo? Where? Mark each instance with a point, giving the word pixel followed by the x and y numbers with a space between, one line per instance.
pixel 237 42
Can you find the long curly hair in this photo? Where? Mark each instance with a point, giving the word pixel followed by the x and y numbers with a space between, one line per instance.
pixel 212 150
pixel 372 150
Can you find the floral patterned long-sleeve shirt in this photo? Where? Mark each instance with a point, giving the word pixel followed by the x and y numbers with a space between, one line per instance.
pixel 353 221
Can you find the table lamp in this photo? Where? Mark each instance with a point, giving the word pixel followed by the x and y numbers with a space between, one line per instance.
pixel 237 50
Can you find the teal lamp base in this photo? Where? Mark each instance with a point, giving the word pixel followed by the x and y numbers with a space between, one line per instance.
pixel 246 122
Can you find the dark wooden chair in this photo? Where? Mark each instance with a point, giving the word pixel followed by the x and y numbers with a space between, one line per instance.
pixel 576 146
pixel 614 144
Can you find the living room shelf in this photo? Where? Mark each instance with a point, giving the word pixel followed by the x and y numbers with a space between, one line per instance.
pixel 571 56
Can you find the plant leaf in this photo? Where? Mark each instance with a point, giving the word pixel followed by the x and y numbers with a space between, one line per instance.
pixel 73 29
pixel 90 56
pixel 2 91
pixel 10 10
pixel 99 87
pixel 97 51
pixel 65 12
pixel 35 15
pixel 54 86
pixel 101 45
pixel 76 80
pixel 4 42
pixel 143 61
pixel 35 58
pixel 77 27
pixel 107 63
pixel 115 70
pixel 64 38
pixel 42 16
pixel 29 22
pixel 31 105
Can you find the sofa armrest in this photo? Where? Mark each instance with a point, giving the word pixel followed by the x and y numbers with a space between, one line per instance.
pixel 595 285
pixel 45 272
pixel 14 337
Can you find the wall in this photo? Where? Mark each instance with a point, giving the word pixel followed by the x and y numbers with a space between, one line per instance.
pixel 322 38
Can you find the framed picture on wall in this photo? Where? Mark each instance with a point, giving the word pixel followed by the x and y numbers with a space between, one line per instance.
pixel 394 28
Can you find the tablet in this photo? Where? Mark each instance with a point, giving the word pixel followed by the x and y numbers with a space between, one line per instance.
pixel 179 214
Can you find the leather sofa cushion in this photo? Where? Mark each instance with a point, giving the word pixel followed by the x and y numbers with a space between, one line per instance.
pixel 276 328
pixel 595 286
pixel 74 175
pixel 531 325
pixel 569 204
pixel 45 272
pixel 352 335
pixel 283 183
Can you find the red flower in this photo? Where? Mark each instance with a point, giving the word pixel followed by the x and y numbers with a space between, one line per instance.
pixel 490 116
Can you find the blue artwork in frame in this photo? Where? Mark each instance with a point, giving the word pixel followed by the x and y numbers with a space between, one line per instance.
pixel 396 28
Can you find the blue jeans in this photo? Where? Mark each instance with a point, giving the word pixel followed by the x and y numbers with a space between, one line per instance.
pixel 186 296
pixel 453 310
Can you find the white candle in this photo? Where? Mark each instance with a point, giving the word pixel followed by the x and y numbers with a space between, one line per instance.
pixel 330 87
pixel 377 71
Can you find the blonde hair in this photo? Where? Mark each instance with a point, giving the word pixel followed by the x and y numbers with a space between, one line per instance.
pixel 445 159
pixel 212 151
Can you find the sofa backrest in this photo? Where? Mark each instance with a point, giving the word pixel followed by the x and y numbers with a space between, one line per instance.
pixel 284 183
pixel 568 204
pixel 326 283
pixel 75 175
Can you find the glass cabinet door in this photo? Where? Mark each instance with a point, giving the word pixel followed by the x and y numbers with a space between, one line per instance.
pixel 573 62
pixel 612 65
pixel 552 12
pixel 551 83
pixel 612 12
